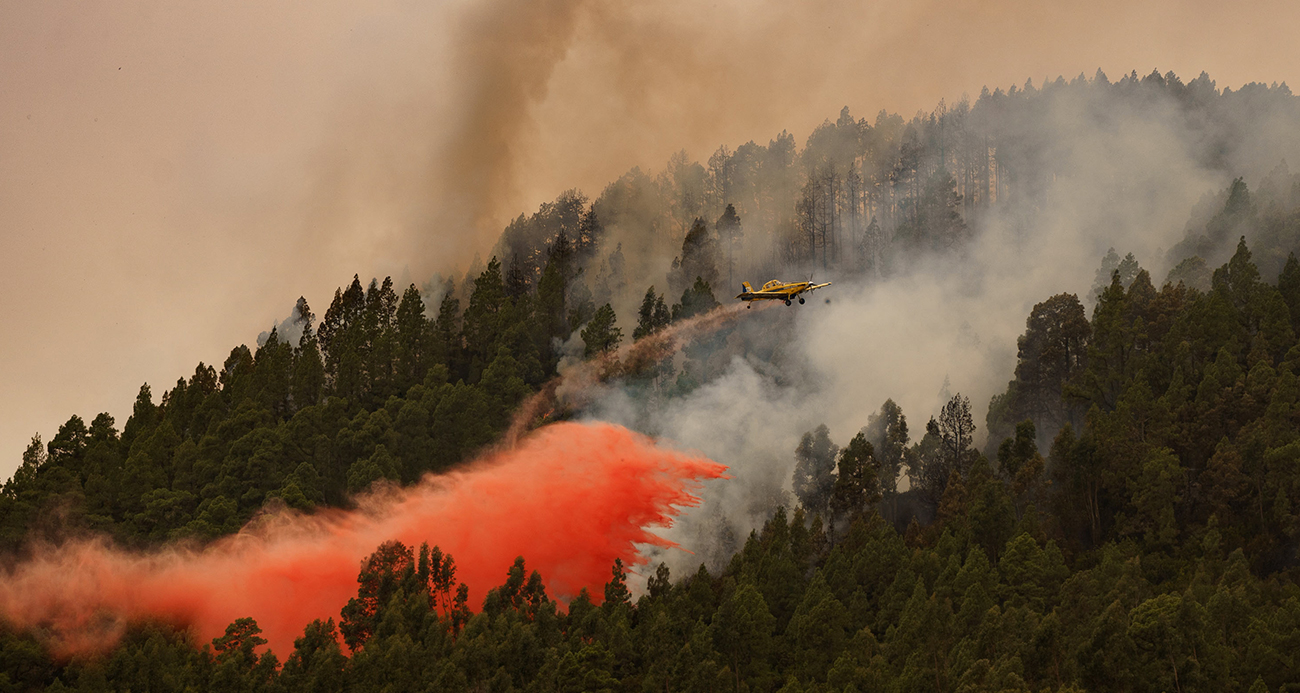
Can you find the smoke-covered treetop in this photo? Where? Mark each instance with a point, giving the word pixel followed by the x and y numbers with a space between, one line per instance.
pixel 865 195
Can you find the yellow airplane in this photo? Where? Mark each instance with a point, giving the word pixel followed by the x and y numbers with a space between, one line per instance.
pixel 777 290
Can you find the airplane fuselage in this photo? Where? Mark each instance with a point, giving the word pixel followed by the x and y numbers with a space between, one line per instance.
pixel 777 290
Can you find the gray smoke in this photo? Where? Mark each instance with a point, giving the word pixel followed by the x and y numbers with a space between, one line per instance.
pixel 1119 177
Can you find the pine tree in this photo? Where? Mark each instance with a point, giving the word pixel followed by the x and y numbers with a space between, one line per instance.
pixel 700 258
pixel 448 339
pixel 814 479
pixel 1052 354
pixel 653 315
pixel 414 339
pixel 887 432
pixel 696 300
pixel 1192 272
pixel 601 335
pixel 552 307
pixel 483 319
pixel 956 429
pixel 731 234
pixel 742 632
pixel 857 481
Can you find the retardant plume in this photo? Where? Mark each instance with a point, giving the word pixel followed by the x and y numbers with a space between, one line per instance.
pixel 570 498
pixel 574 384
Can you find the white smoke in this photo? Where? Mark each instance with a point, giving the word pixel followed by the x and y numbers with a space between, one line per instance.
pixel 1126 179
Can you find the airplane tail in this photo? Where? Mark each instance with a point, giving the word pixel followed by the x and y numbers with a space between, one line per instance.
pixel 747 287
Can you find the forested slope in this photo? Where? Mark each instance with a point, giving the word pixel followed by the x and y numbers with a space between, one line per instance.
pixel 1131 523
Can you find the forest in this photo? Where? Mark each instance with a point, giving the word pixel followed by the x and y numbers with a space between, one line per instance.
pixel 1125 516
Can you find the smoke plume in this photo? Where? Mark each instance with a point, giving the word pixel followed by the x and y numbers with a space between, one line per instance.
pixel 1109 173
pixel 197 168
pixel 578 383
pixel 570 499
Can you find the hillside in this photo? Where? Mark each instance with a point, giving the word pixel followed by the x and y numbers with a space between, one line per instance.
pixel 1123 515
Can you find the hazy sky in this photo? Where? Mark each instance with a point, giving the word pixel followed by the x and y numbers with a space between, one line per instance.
pixel 174 175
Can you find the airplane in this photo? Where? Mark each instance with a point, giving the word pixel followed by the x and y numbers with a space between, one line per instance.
pixel 777 290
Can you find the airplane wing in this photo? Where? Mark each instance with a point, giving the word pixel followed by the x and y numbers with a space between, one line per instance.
pixel 784 292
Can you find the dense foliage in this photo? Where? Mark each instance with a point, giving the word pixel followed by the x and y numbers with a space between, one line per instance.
pixel 1132 524
pixel 794 611
pixel 378 391
pixel 1154 549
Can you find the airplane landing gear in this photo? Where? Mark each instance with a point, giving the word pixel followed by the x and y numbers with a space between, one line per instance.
pixel 801 301
pixel 787 301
